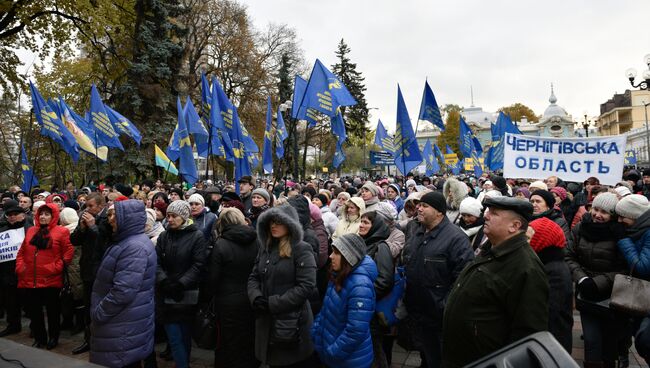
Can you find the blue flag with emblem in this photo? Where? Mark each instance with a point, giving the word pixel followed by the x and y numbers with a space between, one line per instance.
pixel 477 146
pixel 242 165
pixel 407 152
pixel 339 155
pixel 173 150
pixel 438 153
pixel 465 141
pixel 338 127
pixel 325 92
pixel 429 110
pixel 187 166
pixel 51 124
pixel 123 125
pixel 196 128
pixel 267 158
pixel 430 159
pixel 29 178
pixel 226 109
pixel 503 125
pixel 281 135
pixel 299 112
pixel 383 140
pixel 81 131
pixel 630 157
pixel 455 169
pixel 449 150
pixel 106 132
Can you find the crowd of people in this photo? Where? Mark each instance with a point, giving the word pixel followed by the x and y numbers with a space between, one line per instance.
pixel 308 274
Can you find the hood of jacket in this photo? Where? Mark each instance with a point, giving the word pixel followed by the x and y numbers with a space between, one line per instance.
pixel 366 267
pixel 239 234
pixel 378 232
pixel 301 205
pixel 458 191
pixel 641 225
pixel 131 218
pixel 55 214
pixel 285 215
pixel 358 201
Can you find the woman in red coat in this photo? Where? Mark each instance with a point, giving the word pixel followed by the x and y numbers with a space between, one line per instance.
pixel 39 267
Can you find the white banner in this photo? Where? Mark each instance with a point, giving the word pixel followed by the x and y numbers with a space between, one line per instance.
pixel 571 159
pixel 10 242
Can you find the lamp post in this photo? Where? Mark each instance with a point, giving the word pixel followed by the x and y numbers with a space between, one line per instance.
pixel 631 75
pixel 585 125
pixel 365 130
pixel 647 133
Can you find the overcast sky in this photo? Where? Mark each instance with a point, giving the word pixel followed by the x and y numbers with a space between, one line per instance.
pixel 509 51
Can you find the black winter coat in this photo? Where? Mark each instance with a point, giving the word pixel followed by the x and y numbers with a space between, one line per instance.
pixel 378 250
pixel 181 257
pixel 433 260
pixel 231 262
pixel 93 242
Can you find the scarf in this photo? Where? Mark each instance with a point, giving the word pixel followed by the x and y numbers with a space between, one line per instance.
pixel 371 201
pixel 185 224
pixel 596 232
pixel 255 212
pixel 42 238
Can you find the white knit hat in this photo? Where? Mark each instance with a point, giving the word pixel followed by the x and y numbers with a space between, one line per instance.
pixel 196 198
pixel 622 191
pixel 606 201
pixel 471 206
pixel 632 206
pixel 538 185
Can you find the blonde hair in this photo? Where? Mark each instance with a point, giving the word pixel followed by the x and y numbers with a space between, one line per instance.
pixel 284 245
pixel 229 216
pixel 280 201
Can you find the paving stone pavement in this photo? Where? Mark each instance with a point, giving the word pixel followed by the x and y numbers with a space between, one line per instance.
pixel 202 358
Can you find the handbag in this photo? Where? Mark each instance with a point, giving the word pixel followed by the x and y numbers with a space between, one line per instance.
pixel 285 329
pixel 205 329
pixel 386 307
pixel 631 295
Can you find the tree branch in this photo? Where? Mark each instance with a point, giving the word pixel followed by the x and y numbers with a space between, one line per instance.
pixel 17 29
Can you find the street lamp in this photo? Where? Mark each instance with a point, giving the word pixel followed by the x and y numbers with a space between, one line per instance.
pixel 647 133
pixel 585 124
pixel 631 74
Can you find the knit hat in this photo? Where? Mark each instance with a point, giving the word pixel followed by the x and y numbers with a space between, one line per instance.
pixel 162 207
pixel 125 189
pixel 180 208
pixel 178 191
pixel 322 198
pixel 263 193
pixel 314 212
pixel 372 188
pixel 71 203
pixel 622 191
pixel 523 191
pixel 471 206
pixel 351 246
pixel 625 184
pixel 547 234
pixel 606 201
pixel 344 194
pixel 410 183
pixel 538 185
pixel 546 196
pixel 632 206
pixel 561 192
pixel 396 187
pixel 36 205
pixel 493 193
pixel 196 198
pixel 68 216
pixel 435 200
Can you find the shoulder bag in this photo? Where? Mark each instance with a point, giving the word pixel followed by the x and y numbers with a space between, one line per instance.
pixel 631 295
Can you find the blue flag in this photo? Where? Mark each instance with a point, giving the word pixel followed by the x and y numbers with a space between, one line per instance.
pixel 300 112
pixel 430 159
pixel 455 169
pixel 504 125
pixel 449 150
pixel 281 135
pixel 429 110
pixel 438 153
pixel 123 125
pixel 242 165
pixel 267 159
pixel 477 146
pixel 29 178
pixel 51 124
pixel 338 127
pixel 630 157
pixel 106 132
pixel 325 92
pixel 407 152
pixel 222 105
pixel 383 140
pixel 173 150
pixel 339 155
pixel 187 166
pixel 196 128
pixel 465 141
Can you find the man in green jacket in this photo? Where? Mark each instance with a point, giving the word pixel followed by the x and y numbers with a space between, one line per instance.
pixel 501 296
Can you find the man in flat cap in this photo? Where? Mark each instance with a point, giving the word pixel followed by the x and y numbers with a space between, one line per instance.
pixel 501 296
pixel 436 252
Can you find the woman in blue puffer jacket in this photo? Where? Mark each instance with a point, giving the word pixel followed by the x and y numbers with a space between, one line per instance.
pixel 341 331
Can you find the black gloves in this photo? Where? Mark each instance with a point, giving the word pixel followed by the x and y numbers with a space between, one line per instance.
pixel 172 289
pixel 588 289
pixel 261 305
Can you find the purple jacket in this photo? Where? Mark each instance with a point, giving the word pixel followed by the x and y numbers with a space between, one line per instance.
pixel 122 305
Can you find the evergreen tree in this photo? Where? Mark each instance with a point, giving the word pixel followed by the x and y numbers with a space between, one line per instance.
pixel 356 117
pixel 452 128
pixel 148 96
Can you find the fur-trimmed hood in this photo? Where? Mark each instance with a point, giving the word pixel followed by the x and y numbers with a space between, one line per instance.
pixel 284 214
pixel 458 191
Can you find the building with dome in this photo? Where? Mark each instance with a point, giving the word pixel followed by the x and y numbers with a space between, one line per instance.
pixel 555 121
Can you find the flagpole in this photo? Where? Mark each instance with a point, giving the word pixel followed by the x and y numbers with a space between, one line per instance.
pixel 97 155
pixel 31 181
